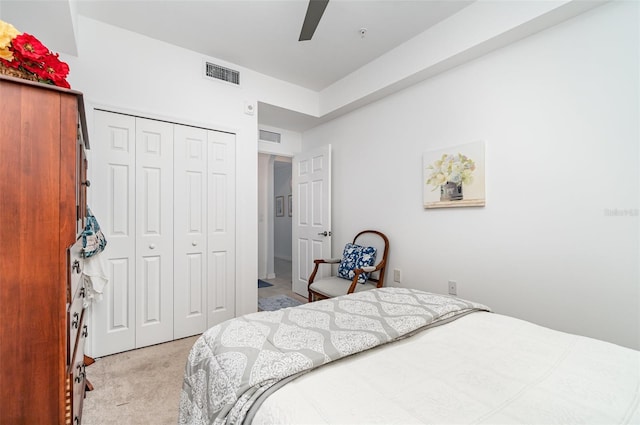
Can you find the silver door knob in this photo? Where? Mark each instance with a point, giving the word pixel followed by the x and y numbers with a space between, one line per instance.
pixel 325 233
pixel 194 243
pixel 152 246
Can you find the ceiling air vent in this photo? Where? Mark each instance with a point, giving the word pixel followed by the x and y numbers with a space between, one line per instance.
pixel 218 72
pixel 269 136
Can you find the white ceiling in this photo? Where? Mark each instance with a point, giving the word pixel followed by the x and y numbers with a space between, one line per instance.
pixel 406 42
pixel 262 35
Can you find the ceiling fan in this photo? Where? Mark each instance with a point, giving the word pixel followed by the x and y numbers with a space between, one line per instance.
pixel 312 18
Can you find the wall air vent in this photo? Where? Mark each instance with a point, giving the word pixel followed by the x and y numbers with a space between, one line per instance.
pixel 269 136
pixel 218 72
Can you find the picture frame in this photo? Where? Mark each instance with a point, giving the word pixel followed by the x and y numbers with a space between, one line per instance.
pixel 454 176
pixel 290 205
pixel 279 206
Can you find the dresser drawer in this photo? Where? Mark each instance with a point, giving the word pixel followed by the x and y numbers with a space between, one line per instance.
pixel 75 266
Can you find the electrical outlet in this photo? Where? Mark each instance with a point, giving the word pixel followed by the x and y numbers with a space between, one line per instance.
pixel 396 275
pixel 453 287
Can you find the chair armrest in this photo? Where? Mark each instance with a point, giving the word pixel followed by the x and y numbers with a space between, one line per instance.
pixel 317 263
pixel 327 260
pixel 368 269
pixel 365 269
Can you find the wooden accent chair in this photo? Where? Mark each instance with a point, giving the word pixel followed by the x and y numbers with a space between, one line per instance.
pixel 357 271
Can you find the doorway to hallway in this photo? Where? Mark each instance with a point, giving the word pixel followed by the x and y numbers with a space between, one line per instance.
pixel 275 226
pixel 281 283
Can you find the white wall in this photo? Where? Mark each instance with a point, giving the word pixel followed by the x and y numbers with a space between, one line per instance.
pixel 290 142
pixel 124 71
pixel 282 225
pixel 559 114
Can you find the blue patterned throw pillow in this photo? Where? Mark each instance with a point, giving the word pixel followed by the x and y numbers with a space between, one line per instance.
pixel 356 257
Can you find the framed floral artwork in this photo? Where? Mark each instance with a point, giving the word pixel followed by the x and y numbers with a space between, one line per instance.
pixel 454 176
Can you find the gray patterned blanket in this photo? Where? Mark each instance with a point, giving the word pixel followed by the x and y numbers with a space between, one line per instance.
pixel 234 365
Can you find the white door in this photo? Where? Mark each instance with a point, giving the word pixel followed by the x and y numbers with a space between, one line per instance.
pixel 221 227
pixel 154 232
pixel 311 177
pixel 190 230
pixel 113 203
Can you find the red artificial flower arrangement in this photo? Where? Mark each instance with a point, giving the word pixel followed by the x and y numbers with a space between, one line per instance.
pixel 30 58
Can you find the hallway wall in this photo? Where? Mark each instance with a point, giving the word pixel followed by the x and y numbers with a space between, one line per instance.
pixel 282 225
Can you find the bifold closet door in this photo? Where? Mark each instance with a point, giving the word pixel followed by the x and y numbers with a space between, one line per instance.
pixel 154 232
pixel 133 201
pixel 164 195
pixel 113 318
pixel 204 229
pixel 190 230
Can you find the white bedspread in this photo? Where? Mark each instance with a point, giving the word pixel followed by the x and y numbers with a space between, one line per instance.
pixel 482 368
pixel 236 364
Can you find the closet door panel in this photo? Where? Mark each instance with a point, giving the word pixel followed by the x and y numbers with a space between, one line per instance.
pixel 113 201
pixel 221 227
pixel 190 231
pixel 154 232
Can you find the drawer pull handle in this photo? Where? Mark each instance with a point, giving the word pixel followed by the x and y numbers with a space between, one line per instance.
pixel 76 318
pixel 194 243
pixel 85 331
pixel 152 246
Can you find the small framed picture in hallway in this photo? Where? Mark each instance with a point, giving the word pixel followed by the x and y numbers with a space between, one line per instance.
pixel 279 206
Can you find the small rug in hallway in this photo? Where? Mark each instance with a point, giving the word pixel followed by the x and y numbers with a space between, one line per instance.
pixel 263 284
pixel 276 302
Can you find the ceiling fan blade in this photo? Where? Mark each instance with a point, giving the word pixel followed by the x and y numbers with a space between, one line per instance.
pixel 312 18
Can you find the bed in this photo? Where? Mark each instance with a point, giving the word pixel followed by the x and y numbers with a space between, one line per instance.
pixel 403 356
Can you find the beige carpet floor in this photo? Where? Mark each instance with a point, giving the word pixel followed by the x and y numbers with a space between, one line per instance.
pixel 142 387
pixel 139 387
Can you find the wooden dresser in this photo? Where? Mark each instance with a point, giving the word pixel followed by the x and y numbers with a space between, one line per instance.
pixel 42 212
